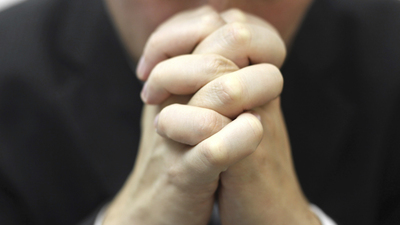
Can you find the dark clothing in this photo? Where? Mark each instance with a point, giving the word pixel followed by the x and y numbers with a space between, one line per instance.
pixel 70 111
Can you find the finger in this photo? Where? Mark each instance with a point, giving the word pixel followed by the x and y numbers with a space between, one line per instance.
pixel 178 36
pixel 184 75
pixel 234 142
pixel 245 44
pixel 188 124
pixel 240 91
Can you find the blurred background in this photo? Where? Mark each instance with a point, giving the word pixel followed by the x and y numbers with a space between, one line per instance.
pixel 7 3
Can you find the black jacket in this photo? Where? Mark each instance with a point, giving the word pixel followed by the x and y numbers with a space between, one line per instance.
pixel 70 111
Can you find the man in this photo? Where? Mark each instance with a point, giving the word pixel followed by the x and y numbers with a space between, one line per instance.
pixel 215 125
pixel 219 138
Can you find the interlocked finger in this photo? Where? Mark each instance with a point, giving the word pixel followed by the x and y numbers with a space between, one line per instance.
pixel 184 75
pixel 233 143
pixel 179 35
pixel 188 124
pixel 245 44
pixel 233 93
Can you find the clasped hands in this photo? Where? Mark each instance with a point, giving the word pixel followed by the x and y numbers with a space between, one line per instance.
pixel 212 124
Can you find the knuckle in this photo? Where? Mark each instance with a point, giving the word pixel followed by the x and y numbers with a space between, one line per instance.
pixel 209 19
pixel 237 34
pixel 215 154
pixel 208 124
pixel 210 16
pixel 217 64
pixel 275 75
pixel 279 49
pixel 236 15
pixel 155 41
pixel 206 9
pixel 229 91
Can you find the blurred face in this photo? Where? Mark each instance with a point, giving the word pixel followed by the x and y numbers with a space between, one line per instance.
pixel 137 19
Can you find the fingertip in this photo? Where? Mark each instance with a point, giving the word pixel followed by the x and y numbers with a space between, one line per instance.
pixel 152 96
pixel 255 124
pixel 255 114
pixel 144 93
pixel 142 69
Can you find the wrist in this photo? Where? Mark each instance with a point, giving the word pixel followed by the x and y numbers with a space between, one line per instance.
pixel 159 204
pixel 248 204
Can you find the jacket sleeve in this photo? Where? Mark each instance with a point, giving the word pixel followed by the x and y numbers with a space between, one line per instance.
pixel 390 185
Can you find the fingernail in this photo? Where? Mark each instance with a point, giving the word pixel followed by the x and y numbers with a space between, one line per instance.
pixel 141 68
pixel 156 121
pixel 144 93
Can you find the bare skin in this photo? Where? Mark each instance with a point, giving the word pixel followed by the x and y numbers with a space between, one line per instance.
pixel 215 124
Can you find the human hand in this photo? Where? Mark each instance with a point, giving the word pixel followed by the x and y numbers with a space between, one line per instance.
pixel 175 183
pixel 263 187
pixel 218 66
